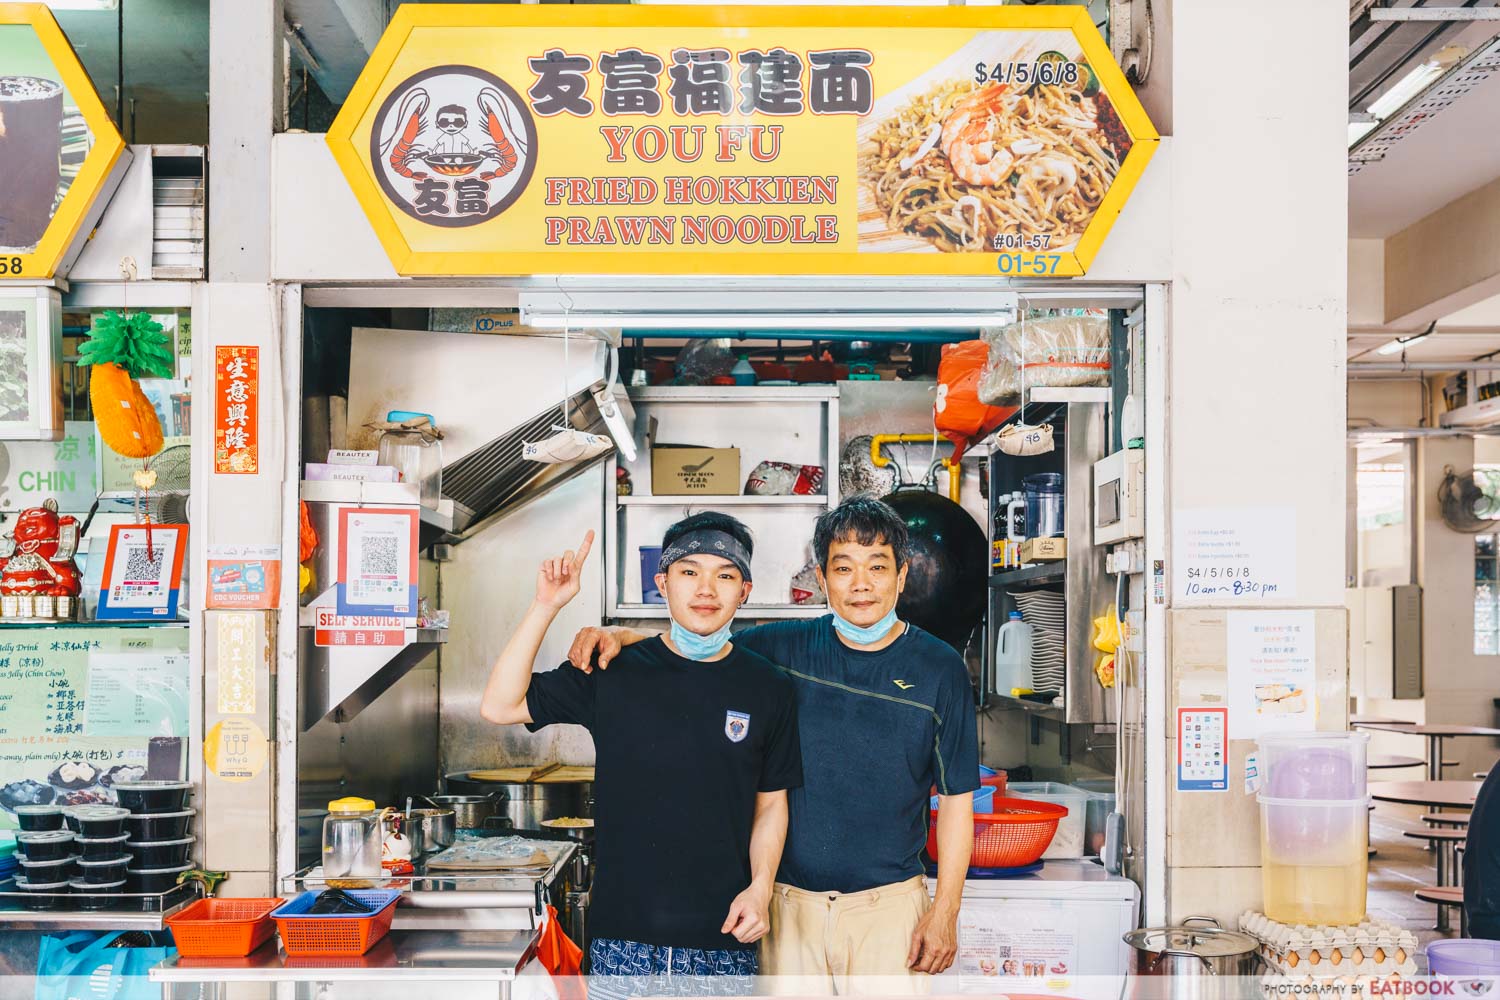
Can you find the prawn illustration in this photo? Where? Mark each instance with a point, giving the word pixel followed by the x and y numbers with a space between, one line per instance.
pixel 410 124
pixel 968 140
pixel 500 149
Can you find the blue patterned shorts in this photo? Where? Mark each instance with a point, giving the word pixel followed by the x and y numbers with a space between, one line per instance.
pixel 619 969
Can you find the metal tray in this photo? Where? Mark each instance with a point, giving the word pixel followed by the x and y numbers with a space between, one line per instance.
pixel 124 911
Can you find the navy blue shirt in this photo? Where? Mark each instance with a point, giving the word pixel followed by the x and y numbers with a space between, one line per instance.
pixel 879 730
pixel 681 750
pixel 1482 861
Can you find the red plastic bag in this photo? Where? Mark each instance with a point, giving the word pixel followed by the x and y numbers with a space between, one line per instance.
pixel 556 951
pixel 960 416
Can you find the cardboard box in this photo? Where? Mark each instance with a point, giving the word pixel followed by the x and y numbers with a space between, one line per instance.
pixel 1035 550
pixel 323 472
pixel 684 470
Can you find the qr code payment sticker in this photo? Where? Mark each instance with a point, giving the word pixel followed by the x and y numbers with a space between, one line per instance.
pixel 143 566
pixel 376 576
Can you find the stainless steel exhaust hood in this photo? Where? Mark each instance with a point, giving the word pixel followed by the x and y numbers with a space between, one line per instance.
pixel 493 480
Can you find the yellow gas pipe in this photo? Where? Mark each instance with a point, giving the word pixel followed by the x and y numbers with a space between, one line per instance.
pixel 955 473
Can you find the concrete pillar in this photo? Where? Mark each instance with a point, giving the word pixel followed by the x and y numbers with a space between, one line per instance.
pixel 1256 391
pixel 239 306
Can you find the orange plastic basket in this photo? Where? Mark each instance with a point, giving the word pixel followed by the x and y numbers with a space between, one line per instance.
pixel 335 935
pixel 1014 834
pixel 223 928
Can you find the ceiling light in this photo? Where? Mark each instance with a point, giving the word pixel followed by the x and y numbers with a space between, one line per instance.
pixel 82 4
pixel 752 321
pixel 754 309
pixel 1402 343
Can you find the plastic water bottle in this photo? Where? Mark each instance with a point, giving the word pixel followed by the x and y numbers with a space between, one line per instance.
pixel 1013 655
pixel 743 372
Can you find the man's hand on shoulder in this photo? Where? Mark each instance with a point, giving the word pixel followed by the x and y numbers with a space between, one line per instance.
pixel 597 645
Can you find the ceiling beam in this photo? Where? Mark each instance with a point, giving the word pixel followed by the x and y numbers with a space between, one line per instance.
pixel 1444 262
pixel 1434 13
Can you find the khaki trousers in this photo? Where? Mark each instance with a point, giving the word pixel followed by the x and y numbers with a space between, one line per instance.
pixel 844 943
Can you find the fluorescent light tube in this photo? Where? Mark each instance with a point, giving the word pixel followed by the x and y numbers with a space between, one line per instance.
pixel 1401 343
pixel 764 321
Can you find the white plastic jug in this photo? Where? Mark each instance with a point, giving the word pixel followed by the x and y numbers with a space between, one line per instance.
pixel 1013 655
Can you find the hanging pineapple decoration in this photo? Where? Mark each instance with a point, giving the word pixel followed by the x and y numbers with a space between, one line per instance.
pixel 122 349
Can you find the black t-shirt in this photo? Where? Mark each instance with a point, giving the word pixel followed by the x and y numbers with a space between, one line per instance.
pixel 879 730
pixel 1482 861
pixel 681 749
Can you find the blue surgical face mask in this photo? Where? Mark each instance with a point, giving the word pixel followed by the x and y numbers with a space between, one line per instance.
pixel 699 647
pixel 866 635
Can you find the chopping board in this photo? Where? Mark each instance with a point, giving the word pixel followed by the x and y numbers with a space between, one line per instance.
pixel 437 862
pixel 519 775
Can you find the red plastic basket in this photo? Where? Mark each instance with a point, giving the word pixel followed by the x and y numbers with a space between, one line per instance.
pixel 1015 833
pixel 223 928
pixel 330 935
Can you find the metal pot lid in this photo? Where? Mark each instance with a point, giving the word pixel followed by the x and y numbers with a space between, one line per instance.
pixel 1206 942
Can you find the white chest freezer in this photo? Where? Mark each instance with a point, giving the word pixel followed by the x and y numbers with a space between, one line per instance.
pixel 1057 932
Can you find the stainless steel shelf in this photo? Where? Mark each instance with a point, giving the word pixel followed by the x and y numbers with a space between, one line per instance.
pixel 746 611
pixel 401 956
pixel 722 501
pixel 1047 572
pixel 343 680
pixel 126 914
pixel 1050 712
pixel 731 393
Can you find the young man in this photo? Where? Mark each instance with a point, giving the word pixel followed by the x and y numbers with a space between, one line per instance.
pixel 886 712
pixel 696 745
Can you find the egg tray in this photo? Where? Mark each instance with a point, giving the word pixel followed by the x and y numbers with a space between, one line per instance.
pixel 1301 952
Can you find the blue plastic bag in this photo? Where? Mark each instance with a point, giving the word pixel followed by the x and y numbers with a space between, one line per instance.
pixel 80 965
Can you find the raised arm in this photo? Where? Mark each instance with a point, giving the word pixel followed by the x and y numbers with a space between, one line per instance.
pixel 557 580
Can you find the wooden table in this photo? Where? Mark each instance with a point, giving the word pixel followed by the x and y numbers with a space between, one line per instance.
pixel 1383 761
pixel 1376 720
pixel 1437 794
pixel 1435 735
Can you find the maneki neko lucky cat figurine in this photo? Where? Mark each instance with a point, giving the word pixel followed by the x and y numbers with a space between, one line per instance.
pixel 39 579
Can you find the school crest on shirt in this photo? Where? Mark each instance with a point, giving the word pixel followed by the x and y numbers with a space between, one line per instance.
pixel 736 726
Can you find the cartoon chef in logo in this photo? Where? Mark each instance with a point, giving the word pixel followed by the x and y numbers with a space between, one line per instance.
pixel 462 164
pixel 451 152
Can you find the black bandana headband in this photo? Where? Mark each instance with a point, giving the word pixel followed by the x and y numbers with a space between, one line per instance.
pixel 707 541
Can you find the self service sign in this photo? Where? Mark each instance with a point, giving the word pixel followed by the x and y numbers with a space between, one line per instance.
pixel 557 139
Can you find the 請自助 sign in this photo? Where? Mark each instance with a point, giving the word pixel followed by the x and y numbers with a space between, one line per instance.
pixel 515 139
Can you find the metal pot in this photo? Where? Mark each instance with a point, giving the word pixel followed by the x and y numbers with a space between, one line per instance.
pixel 1201 962
pixel 527 803
pixel 469 811
pixel 436 827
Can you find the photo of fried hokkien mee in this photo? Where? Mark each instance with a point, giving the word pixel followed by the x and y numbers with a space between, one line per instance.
pixel 967 162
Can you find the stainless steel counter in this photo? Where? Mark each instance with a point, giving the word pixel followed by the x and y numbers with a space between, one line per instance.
pixel 463 900
pixel 401 956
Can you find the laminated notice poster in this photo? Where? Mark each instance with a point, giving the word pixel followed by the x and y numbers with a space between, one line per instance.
pixel 1273 679
pixel 377 561
pixel 82 708
pixel 1234 555
pixel 1013 943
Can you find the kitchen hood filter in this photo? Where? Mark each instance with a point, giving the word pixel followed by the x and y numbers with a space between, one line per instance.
pixel 495 479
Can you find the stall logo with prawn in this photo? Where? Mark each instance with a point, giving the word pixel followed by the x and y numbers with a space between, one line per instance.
pixel 453 146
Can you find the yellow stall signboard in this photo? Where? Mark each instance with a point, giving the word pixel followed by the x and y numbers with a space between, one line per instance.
pixel 792 140
pixel 58 146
